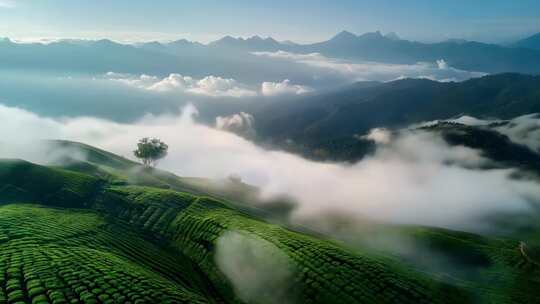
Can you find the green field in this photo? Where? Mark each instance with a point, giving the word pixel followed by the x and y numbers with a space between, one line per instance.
pixel 94 231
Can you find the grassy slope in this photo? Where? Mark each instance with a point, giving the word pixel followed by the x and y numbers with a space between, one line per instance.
pixel 116 169
pixel 148 228
pixel 72 255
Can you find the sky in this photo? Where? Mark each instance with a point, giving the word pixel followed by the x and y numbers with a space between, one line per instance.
pixel 297 20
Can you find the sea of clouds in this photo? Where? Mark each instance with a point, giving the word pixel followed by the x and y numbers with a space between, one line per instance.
pixel 210 86
pixel 414 177
pixel 375 71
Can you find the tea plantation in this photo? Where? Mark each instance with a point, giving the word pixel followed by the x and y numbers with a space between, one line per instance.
pixel 94 232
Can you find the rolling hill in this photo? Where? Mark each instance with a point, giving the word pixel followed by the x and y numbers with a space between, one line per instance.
pixel 333 118
pixel 532 42
pixel 99 231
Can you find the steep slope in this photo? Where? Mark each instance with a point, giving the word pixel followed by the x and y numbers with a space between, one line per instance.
pixel 494 145
pixel 23 181
pixel 532 42
pixel 190 226
pixel 168 244
pixel 356 109
pixel 121 171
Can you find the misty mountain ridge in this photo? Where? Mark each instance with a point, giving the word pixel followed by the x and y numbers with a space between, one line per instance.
pixel 188 152
pixel 251 43
pixel 320 120
pixel 373 46
pixel 531 42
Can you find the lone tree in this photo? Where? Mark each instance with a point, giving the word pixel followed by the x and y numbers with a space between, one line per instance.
pixel 150 151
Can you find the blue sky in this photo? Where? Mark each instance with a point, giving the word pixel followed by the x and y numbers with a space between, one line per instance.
pixel 298 20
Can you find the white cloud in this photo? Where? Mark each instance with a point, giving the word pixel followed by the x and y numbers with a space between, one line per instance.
pixel 241 123
pixel 414 178
pixel 119 76
pixel 524 130
pixel 364 71
pixel 379 136
pixel 441 64
pixel 143 82
pixel 470 121
pixel 283 88
pixel 293 56
pixel 212 86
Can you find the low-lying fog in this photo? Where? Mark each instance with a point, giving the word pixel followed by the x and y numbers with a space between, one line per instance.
pixel 122 96
pixel 413 177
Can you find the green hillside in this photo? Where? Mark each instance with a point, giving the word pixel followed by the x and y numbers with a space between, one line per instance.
pixel 330 120
pixel 95 232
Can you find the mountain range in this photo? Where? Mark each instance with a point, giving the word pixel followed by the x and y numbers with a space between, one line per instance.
pixel 532 42
pixel 184 56
pixel 389 48
pixel 336 117
pixel 79 224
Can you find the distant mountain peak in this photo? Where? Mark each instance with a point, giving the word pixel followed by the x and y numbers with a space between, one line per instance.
pixel 226 39
pixel 372 35
pixel 270 39
pixel 184 42
pixel 457 40
pixel 253 42
pixel 5 40
pixel 344 35
pixel 154 43
pixel 105 42
pixel 181 41
pixel 289 42
pixel 392 36
pixel 531 42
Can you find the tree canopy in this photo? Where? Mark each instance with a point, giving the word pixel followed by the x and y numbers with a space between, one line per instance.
pixel 150 151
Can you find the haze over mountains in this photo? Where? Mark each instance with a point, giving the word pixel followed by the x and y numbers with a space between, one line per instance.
pixel 532 42
pixel 360 169
pixel 162 58
pixel 360 107
pixel 186 152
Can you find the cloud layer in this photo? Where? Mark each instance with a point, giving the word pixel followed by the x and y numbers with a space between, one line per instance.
pixel 211 86
pixel 283 88
pixel 413 177
pixel 259 271
pixel 365 71
pixel 241 123
pixel 523 130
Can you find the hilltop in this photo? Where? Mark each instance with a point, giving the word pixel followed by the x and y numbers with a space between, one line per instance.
pixel 137 234
pixel 531 42
pixel 332 120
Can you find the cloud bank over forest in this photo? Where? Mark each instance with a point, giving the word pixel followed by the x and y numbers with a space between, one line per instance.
pixel 410 170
